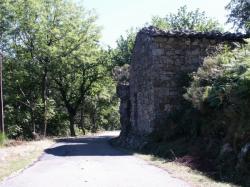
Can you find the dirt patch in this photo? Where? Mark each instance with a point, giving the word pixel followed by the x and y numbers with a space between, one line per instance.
pixel 198 163
pixel 181 169
pixel 10 143
pixel 18 155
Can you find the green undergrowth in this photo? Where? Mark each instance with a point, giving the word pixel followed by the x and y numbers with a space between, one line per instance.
pixel 198 156
pixel 3 139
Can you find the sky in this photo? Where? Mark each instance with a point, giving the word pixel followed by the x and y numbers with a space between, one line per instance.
pixel 118 16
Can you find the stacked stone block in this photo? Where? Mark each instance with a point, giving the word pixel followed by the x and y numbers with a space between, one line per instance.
pixel 159 62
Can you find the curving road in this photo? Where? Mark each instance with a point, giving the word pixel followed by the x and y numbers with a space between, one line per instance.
pixel 90 162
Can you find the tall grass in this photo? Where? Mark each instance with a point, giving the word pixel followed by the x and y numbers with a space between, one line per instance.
pixel 3 139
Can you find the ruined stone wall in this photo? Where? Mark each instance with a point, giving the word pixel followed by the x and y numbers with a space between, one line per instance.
pixel 173 60
pixel 141 86
pixel 160 62
pixel 124 109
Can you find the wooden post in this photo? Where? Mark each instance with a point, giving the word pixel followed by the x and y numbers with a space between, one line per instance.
pixel 1 95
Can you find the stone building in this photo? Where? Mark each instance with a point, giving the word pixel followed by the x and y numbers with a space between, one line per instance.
pixel 160 61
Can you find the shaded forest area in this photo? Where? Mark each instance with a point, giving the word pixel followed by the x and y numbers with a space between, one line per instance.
pixel 57 78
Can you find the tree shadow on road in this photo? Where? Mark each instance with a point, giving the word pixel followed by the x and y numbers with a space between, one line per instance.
pixel 92 146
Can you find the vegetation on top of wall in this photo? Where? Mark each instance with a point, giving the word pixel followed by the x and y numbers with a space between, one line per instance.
pixel 184 19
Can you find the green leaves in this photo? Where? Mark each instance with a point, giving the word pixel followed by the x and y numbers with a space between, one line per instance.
pixel 221 77
pixel 186 20
pixel 124 49
pixel 239 14
pixel 53 63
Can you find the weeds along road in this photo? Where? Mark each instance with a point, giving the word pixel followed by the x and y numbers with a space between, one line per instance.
pixel 90 162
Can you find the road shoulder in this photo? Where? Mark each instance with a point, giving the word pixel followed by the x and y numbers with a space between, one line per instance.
pixel 14 159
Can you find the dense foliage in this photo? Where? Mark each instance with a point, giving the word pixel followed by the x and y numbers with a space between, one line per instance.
pixel 186 20
pixel 239 14
pixel 122 57
pixel 124 49
pixel 220 92
pixel 55 73
pixel 222 86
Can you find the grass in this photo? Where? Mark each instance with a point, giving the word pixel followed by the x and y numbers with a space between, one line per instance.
pixel 2 139
pixel 178 170
pixel 193 177
pixel 16 158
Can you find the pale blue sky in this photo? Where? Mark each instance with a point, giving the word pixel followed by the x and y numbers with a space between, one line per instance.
pixel 117 16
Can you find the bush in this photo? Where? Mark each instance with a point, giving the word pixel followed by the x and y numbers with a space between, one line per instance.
pixel 221 91
pixel 3 139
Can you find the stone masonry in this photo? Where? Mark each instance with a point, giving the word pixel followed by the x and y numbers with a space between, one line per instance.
pixel 159 62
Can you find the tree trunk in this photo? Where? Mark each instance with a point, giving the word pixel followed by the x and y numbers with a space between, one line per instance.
pixel 32 120
pixel 1 97
pixel 35 135
pixel 45 97
pixel 72 125
pixel 82 122
pixel 94 125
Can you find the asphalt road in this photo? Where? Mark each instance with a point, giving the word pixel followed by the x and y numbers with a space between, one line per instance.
pixel 90 162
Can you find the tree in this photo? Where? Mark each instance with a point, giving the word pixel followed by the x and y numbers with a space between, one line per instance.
pixel 124 49
pixel 6 18
pixel 1 95
pixel 74 80
pixel 32 25
pixel 22 93
pixel 186 20
pixel 53 61
pixel 239 14
pixel 102 104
